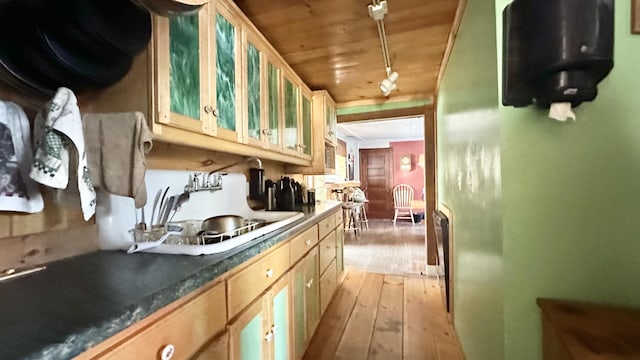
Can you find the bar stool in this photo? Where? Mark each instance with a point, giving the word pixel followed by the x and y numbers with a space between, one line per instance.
pixel 350 214
pixel 362 218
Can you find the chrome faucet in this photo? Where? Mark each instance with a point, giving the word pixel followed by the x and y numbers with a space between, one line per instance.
pixel 213 180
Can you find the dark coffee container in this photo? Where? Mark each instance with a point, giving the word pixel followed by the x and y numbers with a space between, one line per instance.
pixel 256 184
pixel 311 196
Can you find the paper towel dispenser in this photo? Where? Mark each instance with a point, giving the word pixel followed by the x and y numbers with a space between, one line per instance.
pixel 555 50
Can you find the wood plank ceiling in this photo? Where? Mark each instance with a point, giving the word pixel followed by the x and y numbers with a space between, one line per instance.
pixel 334 44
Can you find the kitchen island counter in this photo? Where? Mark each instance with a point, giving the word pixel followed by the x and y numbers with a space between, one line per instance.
pixel 79 302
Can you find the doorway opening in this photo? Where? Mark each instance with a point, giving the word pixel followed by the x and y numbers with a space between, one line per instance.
pixel 385 153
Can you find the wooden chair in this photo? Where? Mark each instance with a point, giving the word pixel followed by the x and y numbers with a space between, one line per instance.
pixel 402 196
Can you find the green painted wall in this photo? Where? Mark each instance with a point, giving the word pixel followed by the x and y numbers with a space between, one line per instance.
pixel 570 200
pixel 559 216
pixel 469 181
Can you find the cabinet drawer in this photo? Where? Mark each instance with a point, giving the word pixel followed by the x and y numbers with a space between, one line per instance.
pixel 328 283
pixel 327 251
pixel 217 349
pixel 339 218
pixel 303 243
pixel 325 226
pixel 187 329
pixel 252 281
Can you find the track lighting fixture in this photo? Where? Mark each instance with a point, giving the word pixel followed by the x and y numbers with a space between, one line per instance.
pixel 377 11
pixel 387 85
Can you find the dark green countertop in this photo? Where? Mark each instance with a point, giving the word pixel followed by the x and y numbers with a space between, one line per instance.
pixel 79 302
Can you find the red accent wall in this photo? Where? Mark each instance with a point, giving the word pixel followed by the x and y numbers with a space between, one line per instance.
pixel 413 177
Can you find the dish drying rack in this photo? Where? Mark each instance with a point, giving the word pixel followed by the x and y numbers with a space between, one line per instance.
pixel 189 232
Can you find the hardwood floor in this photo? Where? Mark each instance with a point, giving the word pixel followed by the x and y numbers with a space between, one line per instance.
pixel 387 249
pixel 376 316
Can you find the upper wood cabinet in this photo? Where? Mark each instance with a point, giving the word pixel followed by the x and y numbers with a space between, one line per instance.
pixel 254 87
pixel 306 131
pixel 330 118
pixel 227 72
pixel 323 140
pixel 182 71
pixel 211 80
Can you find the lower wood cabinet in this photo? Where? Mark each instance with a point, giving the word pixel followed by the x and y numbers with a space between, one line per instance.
pixel 340 252
pixel 246 285
pixel 269 309
pixel 306 301
pixel 261 331
pixel 328 284
pixel 178 335
pixel 216 349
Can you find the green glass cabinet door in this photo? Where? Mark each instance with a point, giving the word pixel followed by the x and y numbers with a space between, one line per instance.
pixel 306 125
pixel 290 115
pixel 225 73
pixel 184 70
pixel 331 120
pixel 251 339
pixel 273 96
pixel 247 334
pixel 227 68
pixel 253 91
pixel 280 325
pixel 182 63
pixel 299 326
pixel 312 298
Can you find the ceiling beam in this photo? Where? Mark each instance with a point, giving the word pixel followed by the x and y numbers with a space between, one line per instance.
pixel 385 114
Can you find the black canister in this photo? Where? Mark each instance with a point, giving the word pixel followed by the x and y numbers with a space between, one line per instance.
pixel 311 196
pixel 270 203
pixel 285 197
pixel 256 184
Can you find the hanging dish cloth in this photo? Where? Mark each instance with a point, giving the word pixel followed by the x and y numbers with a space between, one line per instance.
pixel 57 130
pixel 17 191
pixel 116 147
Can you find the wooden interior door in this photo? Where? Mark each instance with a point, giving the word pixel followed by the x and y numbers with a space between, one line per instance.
pixel 376 179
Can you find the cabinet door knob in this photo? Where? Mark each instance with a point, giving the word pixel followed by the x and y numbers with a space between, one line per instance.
pixel 167 352
pixel 309 283
pixel 308 242
pixel 268 337
pixel 274 328
pixel 266 131
pixel 208 109
pixel 269 273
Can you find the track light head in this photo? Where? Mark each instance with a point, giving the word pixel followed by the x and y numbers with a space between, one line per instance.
pixel 378 11
pixel 389 84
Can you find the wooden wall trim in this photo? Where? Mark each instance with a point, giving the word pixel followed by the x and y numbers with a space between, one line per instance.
pixel 44 247
pixel 453 32
pixel 385 114
pixel 430 183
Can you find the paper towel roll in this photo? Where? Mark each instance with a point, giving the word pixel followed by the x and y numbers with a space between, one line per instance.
pixel 561 111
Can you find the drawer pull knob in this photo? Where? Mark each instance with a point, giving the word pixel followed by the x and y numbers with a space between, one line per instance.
pixel 308 242
pixel 167 352
pixel 269 273
pixel 268 336
pixel 309 283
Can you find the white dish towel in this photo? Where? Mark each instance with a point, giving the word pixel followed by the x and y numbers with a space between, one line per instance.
pixel 17 191
pixel 56 128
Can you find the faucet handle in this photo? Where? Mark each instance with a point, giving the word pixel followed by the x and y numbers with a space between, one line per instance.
pixel 196 182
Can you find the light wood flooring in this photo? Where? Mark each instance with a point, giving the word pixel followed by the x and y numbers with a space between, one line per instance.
pixel 375 316
pixel 387 249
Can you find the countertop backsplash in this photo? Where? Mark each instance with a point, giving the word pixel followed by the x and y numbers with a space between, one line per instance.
pixel 116 215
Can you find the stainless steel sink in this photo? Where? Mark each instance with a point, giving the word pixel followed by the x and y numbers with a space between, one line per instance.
pixel 223 234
